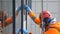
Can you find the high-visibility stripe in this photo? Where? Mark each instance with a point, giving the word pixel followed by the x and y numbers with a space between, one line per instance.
pixel 35 19
pixel 31 14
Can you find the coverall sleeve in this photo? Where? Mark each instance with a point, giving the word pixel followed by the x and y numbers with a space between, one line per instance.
pixel 34 18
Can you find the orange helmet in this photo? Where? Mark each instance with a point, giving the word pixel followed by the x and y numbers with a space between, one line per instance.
pixel 45 14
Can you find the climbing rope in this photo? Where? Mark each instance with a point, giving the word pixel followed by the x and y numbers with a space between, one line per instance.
pixel 41 9
pixel 42 31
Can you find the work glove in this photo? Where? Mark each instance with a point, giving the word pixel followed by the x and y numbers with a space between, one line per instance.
pixel 27 8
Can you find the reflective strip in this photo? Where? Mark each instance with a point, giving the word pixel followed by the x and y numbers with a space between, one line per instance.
pixel 31 14
pixel 33 17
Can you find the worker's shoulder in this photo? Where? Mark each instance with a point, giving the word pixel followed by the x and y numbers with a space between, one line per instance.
pixel 52 31
pixel 57 23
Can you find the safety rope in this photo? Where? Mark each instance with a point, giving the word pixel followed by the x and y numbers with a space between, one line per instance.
pixel 42 31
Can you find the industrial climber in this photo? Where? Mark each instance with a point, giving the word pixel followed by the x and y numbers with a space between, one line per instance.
pixel 51 26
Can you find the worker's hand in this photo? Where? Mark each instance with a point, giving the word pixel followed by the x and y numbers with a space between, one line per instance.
pixel 27 8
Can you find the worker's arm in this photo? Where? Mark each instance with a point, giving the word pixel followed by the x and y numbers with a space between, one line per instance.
pixel 32 15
